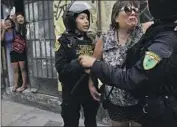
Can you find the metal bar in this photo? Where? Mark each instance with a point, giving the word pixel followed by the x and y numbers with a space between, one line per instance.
pixel 45 41
pixel 99 17
pixel 43 19
pixel 2 12
pixel 4 67
pixel 39 58
pixel 51 61
pixel 39 39
pixel 30 36
pixel 34 35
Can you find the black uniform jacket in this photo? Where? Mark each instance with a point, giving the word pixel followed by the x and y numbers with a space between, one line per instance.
pixel 157 66
pixel 66 60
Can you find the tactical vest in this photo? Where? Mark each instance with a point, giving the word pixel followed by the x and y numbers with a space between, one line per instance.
pixel 79 47
pixel 74 47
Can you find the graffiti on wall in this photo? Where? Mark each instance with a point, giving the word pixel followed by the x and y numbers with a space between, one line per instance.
pixel 59 7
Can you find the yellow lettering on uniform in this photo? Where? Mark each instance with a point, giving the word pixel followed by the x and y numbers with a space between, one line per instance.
pixel 85 50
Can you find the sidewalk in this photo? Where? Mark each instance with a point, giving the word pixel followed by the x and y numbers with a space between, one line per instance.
pixel 15 114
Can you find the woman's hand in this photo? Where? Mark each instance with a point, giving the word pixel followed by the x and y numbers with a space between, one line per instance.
pixel 94 93
pixel 3 27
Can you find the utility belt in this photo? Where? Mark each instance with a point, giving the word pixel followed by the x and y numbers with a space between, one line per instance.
pixel 161 109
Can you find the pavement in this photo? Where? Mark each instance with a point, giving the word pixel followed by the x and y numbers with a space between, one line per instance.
pixel 15 114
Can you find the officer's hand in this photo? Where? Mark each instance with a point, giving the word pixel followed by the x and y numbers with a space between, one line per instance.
pixel 86 61
pixel 94 93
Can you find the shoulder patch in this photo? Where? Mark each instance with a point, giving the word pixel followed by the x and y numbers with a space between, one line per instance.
pixel 150 60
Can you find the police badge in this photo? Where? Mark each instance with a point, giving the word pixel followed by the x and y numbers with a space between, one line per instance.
pixel 150 60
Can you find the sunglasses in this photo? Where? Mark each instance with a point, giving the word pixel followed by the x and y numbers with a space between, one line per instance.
pixel 128 9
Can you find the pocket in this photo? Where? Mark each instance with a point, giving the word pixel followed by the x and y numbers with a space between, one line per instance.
pixel 171 108
pixel 155 107
pixel 163 108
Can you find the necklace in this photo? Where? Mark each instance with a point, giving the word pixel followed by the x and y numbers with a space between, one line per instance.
pixel 122 41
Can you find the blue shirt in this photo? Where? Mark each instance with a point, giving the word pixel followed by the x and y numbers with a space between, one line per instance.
pixel 9 36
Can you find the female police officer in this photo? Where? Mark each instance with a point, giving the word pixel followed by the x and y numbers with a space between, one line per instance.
pixel 75 42
pixel 151 68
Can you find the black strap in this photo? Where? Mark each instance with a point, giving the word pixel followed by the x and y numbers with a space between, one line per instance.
pixel 77 83
pixel 70 37
pixel 107 97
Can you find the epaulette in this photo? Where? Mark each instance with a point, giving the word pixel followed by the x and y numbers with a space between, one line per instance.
pixel 68 40
pixel 65 39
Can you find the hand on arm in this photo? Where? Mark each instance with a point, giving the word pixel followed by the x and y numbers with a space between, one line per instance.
pixel 63 65
pixel 98 51
pixel 93 91
pixel 98 55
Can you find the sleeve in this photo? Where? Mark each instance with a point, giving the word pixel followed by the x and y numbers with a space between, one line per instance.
pixel 98 51
pixel 64 66
pixel 152 66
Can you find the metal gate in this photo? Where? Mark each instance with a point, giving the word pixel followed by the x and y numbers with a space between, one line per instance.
pixel 40 45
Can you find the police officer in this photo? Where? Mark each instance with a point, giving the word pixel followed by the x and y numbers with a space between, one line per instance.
pixel 151 68
pixel 74 42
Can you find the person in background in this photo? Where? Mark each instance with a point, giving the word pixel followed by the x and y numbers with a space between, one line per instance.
pixel 21 28
pixel 21 24
pixel 17 59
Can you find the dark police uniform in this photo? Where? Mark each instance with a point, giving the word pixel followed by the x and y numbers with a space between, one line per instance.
pixel 69 73
pixel 151 75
